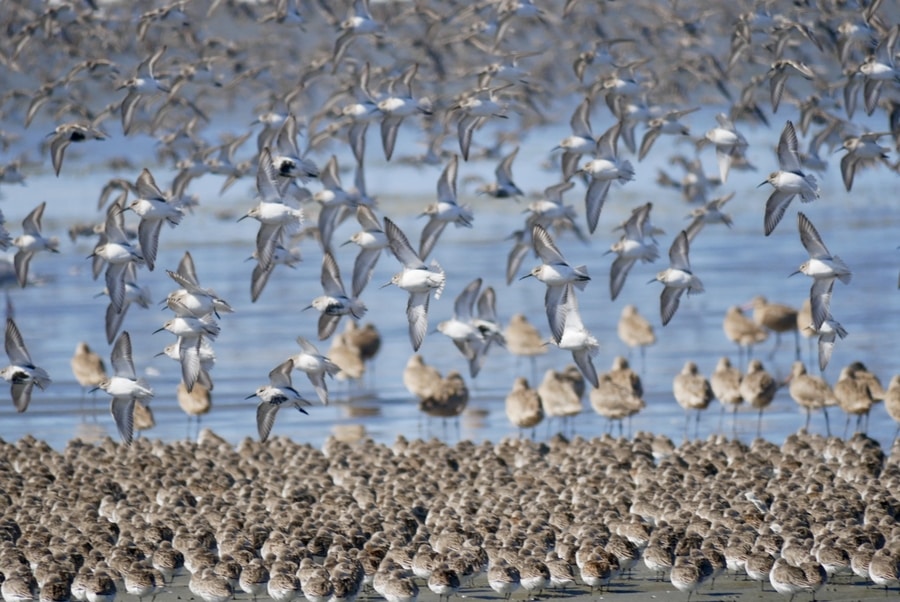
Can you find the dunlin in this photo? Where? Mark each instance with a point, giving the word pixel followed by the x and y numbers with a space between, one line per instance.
pixel 822 267
pixel 557 274
pixel 273 396
pixel 334 302
pixel 418 279
pixel 677 278
pixel 22 374
pixel 788 181
pixel 30 242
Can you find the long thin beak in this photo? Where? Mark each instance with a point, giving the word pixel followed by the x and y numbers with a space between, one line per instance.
pixel 794 273
pixel 529 275
pixel 346 242
pixel 160 353
pixel 251 396
pixel 386 284
pixel 652 281
pixel 158 330
pixel 94 389
pixel 761 183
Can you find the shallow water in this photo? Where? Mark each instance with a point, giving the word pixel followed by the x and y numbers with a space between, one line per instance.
pixel 734 265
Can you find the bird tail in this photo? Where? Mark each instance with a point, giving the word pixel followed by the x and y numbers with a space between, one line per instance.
pixel 843 272
pixel 437 268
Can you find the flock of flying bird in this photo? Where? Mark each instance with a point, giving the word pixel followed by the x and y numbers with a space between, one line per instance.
pixel 430 65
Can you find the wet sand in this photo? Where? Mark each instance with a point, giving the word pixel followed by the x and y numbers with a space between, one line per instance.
pixel 643 588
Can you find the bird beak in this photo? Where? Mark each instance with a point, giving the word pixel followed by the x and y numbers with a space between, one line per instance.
pixel 346 242
pixel 159 330
pixel 761 183
pixel 794 273
pixel 160 353
pixel 302 410
pixel 652 281
pixel 251 396
pixel 529 275
pixel 94 390
pixel 386 284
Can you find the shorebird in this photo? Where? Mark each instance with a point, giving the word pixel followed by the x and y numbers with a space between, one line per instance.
pixel 371 240
pixel 635 330
pixel 192 299
pixel 316 366
pixel 124 387
pixel 21 373
pixel 788 181
pixel 87 367
pixel 397 105
pixel 576 338
pixel 742 330
pixel 725 382
pixel 461 329
pixel 822 267
pixel 523 406
pixel 334 303
pixel 144 83
pixel 154 208
pixel 602 170
pixel 273 396
pixel 561 393
pixel 692 392
pixel 635 244
pixel 892 402
pixel 557 274
pixel 862 150
pixel 777 318
pixel 677 278
pixel 418 279
pixel 758 389
pixel 580 142
pixel 114 248
pixel 195 402
pixel 503 187
pixel 274 215
pixel 444 211
pixel 524 340
pixel 288 162
pixel 667 123
pixel 810 392
pixel 31 242
pixel 67 133
pixel 730 144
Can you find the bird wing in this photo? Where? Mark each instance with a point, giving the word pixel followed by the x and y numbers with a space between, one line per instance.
pixel 788 153
pixel 400 246
pixel 122 362
pixel 280 376
pixel 678 253
pixel 810 238
pixel 122 410
pixel 265 418
pixel 544 246
pixel 417 315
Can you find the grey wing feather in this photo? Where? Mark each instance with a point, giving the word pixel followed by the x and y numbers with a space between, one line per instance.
pixel 122 410
pixel 265 418
pixel 123 364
